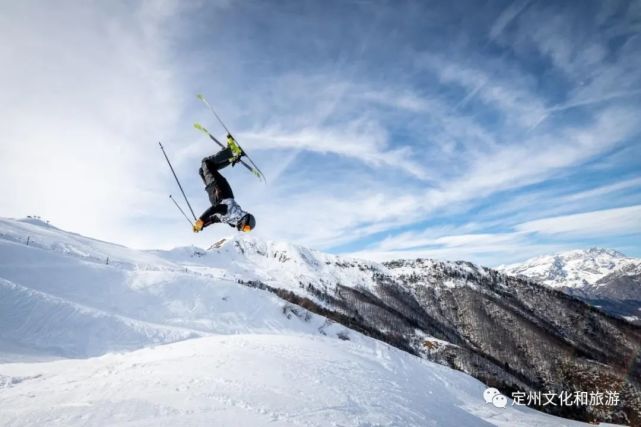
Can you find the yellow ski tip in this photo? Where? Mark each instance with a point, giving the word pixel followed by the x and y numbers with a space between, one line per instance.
pixel 200 96
pixel 199 126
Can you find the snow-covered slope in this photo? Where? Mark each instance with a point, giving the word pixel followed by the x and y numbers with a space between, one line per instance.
pixel 574 269
pixel 196 348
pixel 253 380
pixel 59 297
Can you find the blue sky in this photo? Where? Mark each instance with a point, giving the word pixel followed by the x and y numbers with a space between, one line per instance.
pixel 488 131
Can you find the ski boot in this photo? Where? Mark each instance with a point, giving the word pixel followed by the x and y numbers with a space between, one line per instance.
pixel 236 151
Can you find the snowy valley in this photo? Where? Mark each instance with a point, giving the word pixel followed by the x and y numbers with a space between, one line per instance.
pixel 250 332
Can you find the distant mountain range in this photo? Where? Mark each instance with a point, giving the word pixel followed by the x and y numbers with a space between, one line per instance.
pixel 602 277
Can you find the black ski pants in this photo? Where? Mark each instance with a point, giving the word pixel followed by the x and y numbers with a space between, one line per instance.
pixel 216 185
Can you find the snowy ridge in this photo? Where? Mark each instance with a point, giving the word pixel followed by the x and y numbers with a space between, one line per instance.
pixel 428 272
pixel 289 266
pixel 45 236
pixel 243 356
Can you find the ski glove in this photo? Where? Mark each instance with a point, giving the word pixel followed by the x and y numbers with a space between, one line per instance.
pixel 198 226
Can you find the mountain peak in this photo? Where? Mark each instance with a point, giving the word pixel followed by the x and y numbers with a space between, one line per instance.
pixel 603 251
pixel 590 253
pixel 572 269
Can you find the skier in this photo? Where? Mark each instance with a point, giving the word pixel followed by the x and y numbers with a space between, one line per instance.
pixel 223 206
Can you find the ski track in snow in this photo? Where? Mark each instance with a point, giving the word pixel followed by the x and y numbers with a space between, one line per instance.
pixel 169 338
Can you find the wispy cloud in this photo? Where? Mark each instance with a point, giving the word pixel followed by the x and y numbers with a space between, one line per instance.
pixel 603 190
pixel 360 140
pixel 497 86
pixel 598 223
pixel 506 17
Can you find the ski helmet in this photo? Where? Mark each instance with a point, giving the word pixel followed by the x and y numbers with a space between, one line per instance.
pixel 247 223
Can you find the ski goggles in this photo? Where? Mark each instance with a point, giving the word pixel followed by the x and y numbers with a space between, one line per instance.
pixel 246 228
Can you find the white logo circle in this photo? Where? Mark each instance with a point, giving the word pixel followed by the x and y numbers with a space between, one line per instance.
pixel 499 401
pixel 489 394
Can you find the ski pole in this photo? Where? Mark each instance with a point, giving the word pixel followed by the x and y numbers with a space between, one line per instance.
pixel 180 209
pixel 177 181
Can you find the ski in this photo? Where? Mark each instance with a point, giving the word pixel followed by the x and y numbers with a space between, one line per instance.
pixel 251 166
pixel 202 98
